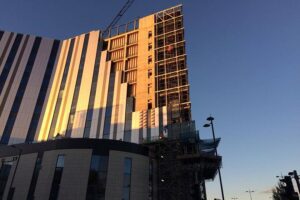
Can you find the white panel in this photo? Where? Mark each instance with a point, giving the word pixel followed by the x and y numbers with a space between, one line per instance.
pixel 65 108
pixel 165 116
pixel 104 97
pixel 31 93
pixel 99 94
pixel 47 99
pixel 13 67
pixel 135 127
pixel 122 111
pixel 54 89
pixel 5 38
pixel 15 86
pixel 155 129
pixel 115 105
pixel 85 86
pixel 79 122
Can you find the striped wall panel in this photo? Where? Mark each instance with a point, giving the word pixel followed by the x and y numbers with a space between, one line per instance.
pixel 84 86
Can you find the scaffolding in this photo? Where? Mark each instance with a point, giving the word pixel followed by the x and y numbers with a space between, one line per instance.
pixel 180 163
pixel 171 76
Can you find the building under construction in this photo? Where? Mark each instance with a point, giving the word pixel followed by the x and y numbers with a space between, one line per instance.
pixel 102 115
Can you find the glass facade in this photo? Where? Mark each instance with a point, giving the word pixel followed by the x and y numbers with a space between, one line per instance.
pixel 97 178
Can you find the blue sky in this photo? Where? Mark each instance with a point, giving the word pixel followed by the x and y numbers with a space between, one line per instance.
pixel 244 64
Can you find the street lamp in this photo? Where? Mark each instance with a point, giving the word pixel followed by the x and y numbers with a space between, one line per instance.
pixel 250 191
pixel 211 124
pixel 296 177
pixel 11 190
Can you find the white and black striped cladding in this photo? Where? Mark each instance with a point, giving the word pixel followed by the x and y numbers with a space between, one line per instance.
pixel 61 89
pixel 9 61
pixel 20 92
pixel 13 75
pixel 42 93
pixel 5 43
pixel 89 115
pixel 77 86
pixel 109 105
pixel 26 68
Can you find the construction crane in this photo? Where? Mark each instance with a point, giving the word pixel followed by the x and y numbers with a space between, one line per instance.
pixel 119 15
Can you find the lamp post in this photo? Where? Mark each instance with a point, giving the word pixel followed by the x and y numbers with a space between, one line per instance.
pixel 211 124
pixel 296 177
pixel 11 191
pixel 250 191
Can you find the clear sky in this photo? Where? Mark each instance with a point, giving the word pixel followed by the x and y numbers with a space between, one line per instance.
pixel 244 69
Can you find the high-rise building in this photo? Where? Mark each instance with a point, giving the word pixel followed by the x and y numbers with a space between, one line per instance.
pixel 102 115
pixel 125 84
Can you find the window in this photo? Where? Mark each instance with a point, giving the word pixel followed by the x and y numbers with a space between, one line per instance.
pixel 149 46
pixel 169 26
pixel 127 179
pixel 38 166
pixel 160 68
pixel 97 178
pixel 159 29
pixel 149 59
pixel 171 66
pixel 60 163
pixel 160 54
pixel 4 173
pixel 160 42
pixel 180 49
pixel 170 39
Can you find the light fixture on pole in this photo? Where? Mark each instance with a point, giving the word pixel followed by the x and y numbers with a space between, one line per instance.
pixel 250 191
pixel 210 119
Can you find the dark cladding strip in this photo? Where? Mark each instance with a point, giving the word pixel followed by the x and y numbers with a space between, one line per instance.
pixel 9 61
pixel 90 110
pixel 3 53
pixel 77 86
pixel 42 93
pixel 99 146
pixel 61 89
pixel 1 34
pixel 12 79
pixel 20 92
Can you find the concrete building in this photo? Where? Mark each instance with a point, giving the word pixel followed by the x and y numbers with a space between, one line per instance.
pixel 125 84
pixel 102 115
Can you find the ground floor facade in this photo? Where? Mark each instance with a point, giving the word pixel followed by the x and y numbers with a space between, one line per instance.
pixel 74 169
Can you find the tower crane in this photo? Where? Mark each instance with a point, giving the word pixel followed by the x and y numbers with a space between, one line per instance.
pixel 119 15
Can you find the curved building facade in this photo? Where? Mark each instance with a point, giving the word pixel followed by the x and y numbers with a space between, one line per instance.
pixel 74 169
pixel 128 83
